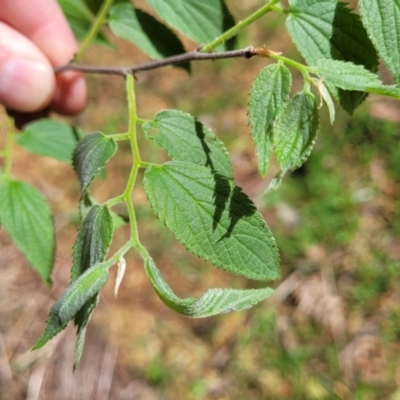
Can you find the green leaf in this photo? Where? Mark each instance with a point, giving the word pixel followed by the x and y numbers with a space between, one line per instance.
pixel 381 20
pixel 212 302
pixel 275 182
pixel 72 300
pixel 53 326
pixel 328 29
pixel 86 202
pixel 186 139
pixel 119 220
pixel 201 21
pixel 80 20
pixel 83 289
pixel 26 216
pixel 90 248
pixel 50 138
pixel 213 219
pixel 296 131
pixel 143 30
pixel 268 97
pixel 93 240
pixel 349 76
pixel 390 91
pixel 91 155
pixel 81 320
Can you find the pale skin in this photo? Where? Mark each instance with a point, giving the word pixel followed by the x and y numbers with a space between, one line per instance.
pixel 35 38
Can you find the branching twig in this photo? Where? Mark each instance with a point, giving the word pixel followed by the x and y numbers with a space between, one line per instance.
pixel 195 55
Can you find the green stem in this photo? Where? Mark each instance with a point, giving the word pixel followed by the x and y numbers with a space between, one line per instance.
pixel 119 136
pixel 134 237
pixel 116 200
pixel 9 148
pixel 145 165
pixel 239 27
pixel 94 30
pixel 130 90
pixel 305 71
pixel 116 256
pixel 127 195
pixel 143 251
pixel 141 121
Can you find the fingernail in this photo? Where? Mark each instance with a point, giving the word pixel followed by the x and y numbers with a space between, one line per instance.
pixel 26 85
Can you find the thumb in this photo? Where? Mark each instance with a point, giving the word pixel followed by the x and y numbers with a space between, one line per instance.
pixel 27 81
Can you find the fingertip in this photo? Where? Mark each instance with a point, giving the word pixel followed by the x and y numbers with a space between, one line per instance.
pixel 43 22
pixel 26 85
pixel 27 81
pixel 51 39
pixel 70 96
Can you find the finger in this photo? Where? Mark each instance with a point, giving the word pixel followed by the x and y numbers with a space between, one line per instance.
pixel 71 93
pixel 27 81
pixel 44 23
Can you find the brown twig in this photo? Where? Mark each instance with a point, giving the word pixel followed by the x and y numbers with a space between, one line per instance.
pixel 195 55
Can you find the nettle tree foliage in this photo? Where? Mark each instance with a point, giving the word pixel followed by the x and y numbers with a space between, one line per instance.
pixel 194 194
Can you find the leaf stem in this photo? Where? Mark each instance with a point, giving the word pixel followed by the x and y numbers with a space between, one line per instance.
pixel 130 90
pixel 119 136
pixel 116 256
pixel 141 121
pixel 143 252
pixel 137 163
pixel 305 71
pixel 383 91
pixel 115 200
pixel 94 30
pixel 239 27
pixel 145 165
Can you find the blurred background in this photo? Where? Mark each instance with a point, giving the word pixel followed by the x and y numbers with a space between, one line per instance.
pixel 332 329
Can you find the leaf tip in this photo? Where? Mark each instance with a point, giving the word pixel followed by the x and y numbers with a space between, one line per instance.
pixel 41 342
pixel 275 182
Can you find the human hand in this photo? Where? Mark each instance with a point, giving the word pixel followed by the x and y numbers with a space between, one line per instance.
pixel 35 38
